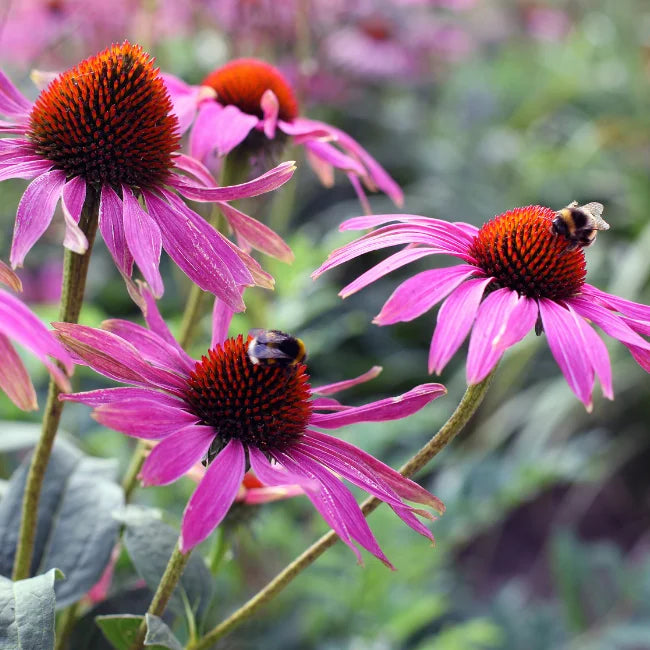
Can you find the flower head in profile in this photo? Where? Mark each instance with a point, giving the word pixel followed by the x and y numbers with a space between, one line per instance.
pixel 233 414
pixel 104 131
pixel 518 274
pixel 248 104
pixel 19 324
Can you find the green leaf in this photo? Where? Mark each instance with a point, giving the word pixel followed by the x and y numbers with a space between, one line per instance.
pixel 27 612
pixel 158 634
pixel 75 531
pixel 150 542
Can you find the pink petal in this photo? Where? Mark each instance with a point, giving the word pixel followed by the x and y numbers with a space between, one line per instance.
pixel 626 307
pixel 391 408
pixel 12 101
pixel 221 318
pixel 562 331
pixel 213 497
pixel 14 378
pixel 270 108
pixel 421 292
pixel 275 474
pixel 143 418
pixel 301 127
pixel 173 456
pixel 391 263
pixel 220 128
pixel 321 168
pixel 111 225
pixel 72 203
pixel 332 156
pixel 330 389
pixel 503 319
pixel 143 239
pixel 35 212
pixel 404 487
pixel 28 168
pixel 267 182
pixel 195 168
pixel 259 236
pixel 360 192
pixel 122 394
pixel 8 277
pixel 335 504
pixel 455 319
pixel 185 100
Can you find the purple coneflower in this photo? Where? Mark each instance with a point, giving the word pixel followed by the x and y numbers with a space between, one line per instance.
pixel 517 275
pixel 18 323
pixel 248 104
pixel 105 126
pixel 233 413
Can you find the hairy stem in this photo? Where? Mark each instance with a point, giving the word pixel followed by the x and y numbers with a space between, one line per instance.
pixel 453 426
pixel 75 271
pixel 168 582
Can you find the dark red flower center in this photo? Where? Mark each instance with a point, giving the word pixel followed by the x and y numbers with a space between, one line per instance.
pixel 242 83
pixel 520 250
pixel 108 120
pixel 264 405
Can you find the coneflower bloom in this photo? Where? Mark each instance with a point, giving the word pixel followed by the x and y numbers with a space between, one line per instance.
pixel 235 414
pixel 19 324
pixel 106 127
pixel 517 275
pixel 248 104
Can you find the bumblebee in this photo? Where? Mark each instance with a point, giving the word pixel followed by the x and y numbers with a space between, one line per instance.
pixel 579 224
pixel 269 347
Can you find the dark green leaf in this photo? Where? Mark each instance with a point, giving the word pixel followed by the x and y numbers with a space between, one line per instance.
pixel 121 631
pixel 27 612
pixel 158 634
pixel 76 531
pixel 150 542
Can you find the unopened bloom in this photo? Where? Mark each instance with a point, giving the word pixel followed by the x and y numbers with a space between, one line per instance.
pixel 19 324
pixel 233 413
pixel 248 103
pixel 105 128
pixel 517 274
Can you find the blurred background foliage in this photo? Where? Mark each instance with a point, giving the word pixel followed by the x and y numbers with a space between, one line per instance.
pixel 545 541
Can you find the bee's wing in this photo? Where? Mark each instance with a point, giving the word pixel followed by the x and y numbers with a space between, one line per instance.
pixel 596 210
pixel 261 351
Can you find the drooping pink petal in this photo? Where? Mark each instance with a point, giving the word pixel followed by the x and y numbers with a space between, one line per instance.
pixel 404 487
pixel 391 408
pixel 213 497
pixel 596 351
pixel 357 186
pixel 195 168
pixel 259 236
pixel 221 318
pixel 395 261
pixel 143 239
pixel 27 169
pixel 608 321
pixel 641 356
pixel 502 320
pixel 323 170
pixel 150 345
pixel 421 292
pixel 150 419
pixel 562 332
pixel 72 203
pixel 219 128
pixel 455 319
pixel 198 250
pixel 333 156
pixel 175 454
pixel 336 505
pixel 267 182
pixel 270 108
pixel 115 395
pixel 304 128
pixel 9 278
pixel 626 307
pixel 275 474
pixel 35 212
pixel 14 378
pixel 111 225
pixel 330 389
pixel 460 231
pixel 12 102
pixel 185 100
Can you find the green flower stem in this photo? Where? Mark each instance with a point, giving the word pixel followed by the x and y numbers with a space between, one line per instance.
pixel 66 624
pixel 168 582
pixel 75 270
pixel 469 403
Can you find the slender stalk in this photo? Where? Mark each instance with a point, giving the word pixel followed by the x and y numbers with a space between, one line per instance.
pixel 168 582
pixel 75 271
pixel 131 476
pixel 453 426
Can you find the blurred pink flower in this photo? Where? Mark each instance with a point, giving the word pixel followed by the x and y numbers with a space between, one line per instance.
pixel 248 103
pixel 106 125
pixel 19 324
pixel 517 275
pixel 233 412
